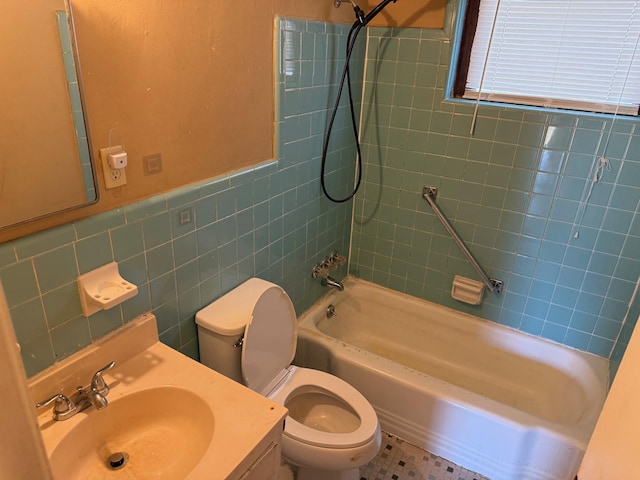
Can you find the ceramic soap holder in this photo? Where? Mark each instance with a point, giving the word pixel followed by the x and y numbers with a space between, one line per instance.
pixel 104 288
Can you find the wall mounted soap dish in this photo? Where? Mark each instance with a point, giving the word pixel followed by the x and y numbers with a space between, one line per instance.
pixel 467 290
pixel 104 288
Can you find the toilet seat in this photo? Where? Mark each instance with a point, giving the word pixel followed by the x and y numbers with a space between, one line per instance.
pixel 324 383
pixel 269 337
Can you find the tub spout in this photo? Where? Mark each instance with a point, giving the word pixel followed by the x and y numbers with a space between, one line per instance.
pixel 330 282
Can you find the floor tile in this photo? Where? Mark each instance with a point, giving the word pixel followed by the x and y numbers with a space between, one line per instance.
pixel 399 460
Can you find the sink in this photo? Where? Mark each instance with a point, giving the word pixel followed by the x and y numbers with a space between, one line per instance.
pixel 161 432
pixel 169 416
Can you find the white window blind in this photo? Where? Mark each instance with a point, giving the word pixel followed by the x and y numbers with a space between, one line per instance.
pixel 576 54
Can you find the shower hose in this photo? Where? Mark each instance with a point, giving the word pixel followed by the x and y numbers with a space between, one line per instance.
pixel 362 21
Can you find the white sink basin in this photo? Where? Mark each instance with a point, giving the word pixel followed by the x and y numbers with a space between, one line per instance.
pixel 149 429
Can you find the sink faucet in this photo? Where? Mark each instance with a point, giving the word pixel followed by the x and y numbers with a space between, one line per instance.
pixel 330 282
pixel 93 394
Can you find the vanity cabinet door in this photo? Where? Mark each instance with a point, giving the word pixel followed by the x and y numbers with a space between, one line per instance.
pixel 266 467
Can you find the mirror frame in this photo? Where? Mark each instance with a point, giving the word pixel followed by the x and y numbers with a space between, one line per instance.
pixel 83 142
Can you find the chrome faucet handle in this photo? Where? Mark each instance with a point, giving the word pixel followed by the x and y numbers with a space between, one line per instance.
pixel 337 259
pixel 98 385
pixel 61 406
pixel 320 271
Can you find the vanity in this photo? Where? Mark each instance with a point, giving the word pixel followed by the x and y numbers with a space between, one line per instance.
pixel 167 416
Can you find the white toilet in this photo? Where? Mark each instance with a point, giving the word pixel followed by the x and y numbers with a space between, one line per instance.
pixel 249 335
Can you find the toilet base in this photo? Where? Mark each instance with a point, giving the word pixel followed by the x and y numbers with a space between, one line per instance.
pixel 313 474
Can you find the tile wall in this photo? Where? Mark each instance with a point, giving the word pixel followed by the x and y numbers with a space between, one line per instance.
pixel 268 221
pixel 514 191
pixel 68 60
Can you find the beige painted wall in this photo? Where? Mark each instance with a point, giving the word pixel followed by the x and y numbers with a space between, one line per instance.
pixel 192 81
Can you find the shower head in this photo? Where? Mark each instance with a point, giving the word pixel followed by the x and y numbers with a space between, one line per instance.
pixel 377 9
pixel 363 19
pixel 337 3
pixel 359 13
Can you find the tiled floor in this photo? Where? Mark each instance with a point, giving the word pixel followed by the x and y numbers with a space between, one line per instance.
pixel 399 460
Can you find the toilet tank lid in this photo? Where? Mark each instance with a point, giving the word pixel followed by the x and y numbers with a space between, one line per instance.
pixel 230 314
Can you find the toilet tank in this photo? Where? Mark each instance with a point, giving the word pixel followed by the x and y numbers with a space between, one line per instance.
pixel 218 351
pixel 221 326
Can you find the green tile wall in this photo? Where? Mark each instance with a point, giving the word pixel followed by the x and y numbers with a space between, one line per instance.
pixel 268 221
pixel 512 190
pixel 75 102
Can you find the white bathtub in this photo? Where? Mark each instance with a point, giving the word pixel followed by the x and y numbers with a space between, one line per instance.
pixel 494 400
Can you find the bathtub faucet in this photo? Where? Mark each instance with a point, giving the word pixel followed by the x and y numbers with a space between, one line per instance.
pixel 329 264
pixel 330 282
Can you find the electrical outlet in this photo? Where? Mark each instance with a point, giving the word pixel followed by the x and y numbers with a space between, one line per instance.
pixel 113 177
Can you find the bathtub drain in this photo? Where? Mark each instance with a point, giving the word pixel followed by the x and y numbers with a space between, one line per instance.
pixel 118 460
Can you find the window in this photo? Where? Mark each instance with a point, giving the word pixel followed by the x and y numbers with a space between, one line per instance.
pixel 573 54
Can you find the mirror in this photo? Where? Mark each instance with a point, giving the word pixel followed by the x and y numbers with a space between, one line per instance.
pixel 45 161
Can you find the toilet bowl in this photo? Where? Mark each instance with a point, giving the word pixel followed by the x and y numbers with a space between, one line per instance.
pixel 329 423
pixel 249 335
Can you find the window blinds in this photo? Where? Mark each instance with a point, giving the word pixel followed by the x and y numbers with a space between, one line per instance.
pixel 576 54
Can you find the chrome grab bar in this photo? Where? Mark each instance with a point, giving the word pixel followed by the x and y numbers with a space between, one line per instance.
pixel 494 286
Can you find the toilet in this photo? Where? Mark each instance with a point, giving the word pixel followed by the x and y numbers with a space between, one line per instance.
pixel 249 335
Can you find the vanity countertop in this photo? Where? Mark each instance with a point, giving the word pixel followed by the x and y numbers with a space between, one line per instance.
pixel 243 424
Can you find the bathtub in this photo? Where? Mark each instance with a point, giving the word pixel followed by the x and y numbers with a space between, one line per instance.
pixel 494 400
